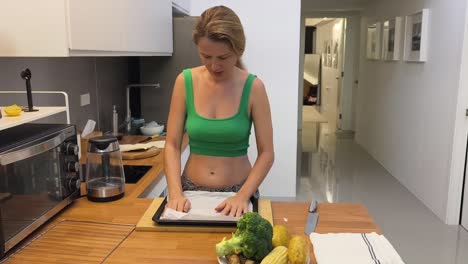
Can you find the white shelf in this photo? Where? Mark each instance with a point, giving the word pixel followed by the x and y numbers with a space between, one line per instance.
pixel 25 117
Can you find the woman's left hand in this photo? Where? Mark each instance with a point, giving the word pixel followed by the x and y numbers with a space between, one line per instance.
pixel 233 206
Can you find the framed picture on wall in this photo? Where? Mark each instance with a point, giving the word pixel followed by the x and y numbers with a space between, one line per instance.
pixel 392 38
pixel 335 54
pixel 329 53
pixel 324 59
pixel 325 54
pixel 373 46
pixel 416 36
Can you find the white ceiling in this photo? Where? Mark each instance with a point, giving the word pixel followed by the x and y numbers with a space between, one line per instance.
pixel 315 21
pixel 308 6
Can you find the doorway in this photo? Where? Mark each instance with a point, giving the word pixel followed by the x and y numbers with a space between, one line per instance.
pixel 330 63
pixel 464 207
pixel 322 79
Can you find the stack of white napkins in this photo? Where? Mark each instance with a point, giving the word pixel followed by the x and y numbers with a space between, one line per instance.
pixel 365 248
pixel 203 206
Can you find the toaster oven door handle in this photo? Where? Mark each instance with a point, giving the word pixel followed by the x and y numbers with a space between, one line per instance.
pixel 33 150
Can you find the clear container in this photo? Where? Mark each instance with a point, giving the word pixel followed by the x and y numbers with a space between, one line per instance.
pixel 105 178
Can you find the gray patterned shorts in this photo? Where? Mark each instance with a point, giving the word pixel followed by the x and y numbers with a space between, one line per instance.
pixel 188 185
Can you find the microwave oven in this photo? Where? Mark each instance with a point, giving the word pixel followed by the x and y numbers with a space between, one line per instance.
pixel 38 177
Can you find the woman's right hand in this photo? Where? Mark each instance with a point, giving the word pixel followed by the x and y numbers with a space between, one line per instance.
pixel 179 203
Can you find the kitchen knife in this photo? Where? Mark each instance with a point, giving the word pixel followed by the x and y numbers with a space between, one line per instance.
pixel 312 218
pixel 148 139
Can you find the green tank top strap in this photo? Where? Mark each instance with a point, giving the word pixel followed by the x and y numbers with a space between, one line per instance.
pixel 188 90
pixel 244 103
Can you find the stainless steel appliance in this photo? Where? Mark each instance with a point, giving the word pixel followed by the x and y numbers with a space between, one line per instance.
pixel 38 177
pixel 105 178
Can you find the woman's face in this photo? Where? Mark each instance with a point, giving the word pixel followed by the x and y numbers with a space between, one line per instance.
pixel 218 58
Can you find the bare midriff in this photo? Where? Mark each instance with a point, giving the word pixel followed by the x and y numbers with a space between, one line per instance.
pixel 217 172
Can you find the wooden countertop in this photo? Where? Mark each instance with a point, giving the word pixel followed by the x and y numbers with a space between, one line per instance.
pixel 160 247
pixel 180 247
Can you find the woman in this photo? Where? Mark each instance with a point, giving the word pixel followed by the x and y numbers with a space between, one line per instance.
pixel 217 102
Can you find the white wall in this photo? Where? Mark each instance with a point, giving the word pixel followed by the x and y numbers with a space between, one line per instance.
pixel 460 143
pixel 332 5
pixel 272 30
pixel 406 111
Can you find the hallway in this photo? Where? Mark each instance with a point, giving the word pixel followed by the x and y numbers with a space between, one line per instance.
pixel 341 171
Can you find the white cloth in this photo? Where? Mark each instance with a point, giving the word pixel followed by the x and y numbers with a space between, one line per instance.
pixel 142 146
pixel 369 248
pixel 203 206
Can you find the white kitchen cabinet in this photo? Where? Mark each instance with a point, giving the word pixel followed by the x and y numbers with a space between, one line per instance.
pixel 95 25
pixel 150 19
pixel 31 28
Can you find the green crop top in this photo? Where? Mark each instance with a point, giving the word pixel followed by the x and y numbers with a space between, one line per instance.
pixel 224 137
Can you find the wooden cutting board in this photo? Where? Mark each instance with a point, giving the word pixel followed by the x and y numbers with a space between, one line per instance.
pixel 146 222
pixel 140 154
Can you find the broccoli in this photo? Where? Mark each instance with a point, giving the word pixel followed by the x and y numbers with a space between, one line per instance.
pixel 253 238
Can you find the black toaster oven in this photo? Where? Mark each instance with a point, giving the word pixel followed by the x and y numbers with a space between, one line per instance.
pixel 38 177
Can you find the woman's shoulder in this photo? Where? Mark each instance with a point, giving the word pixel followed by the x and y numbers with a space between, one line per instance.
pixel 257 89
pixel 195 70
pixel 246 74
pixel 257 82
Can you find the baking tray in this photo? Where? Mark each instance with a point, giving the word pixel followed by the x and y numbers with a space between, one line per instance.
pixel 157 217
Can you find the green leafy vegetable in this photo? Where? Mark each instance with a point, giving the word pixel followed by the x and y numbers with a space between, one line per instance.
pixel 251 239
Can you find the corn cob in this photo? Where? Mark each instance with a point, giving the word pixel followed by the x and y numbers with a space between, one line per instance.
pixel 279 255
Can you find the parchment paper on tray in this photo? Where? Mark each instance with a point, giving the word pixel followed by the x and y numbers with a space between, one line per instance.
pixel 142 146
pixel 203 206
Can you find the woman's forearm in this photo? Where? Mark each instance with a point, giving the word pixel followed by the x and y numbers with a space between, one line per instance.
pixel 257 174
pixel 172 169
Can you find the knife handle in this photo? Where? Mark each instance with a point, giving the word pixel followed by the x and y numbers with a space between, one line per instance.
pixel 313 207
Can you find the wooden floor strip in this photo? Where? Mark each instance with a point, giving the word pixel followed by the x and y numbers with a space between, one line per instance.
pixel 73 242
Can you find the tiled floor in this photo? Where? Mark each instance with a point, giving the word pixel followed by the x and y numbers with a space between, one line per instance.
pixel 342 171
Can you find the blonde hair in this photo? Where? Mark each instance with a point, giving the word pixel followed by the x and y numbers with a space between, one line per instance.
pixel 221 24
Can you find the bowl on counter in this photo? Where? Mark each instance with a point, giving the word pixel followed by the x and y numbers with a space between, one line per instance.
pixel 151 129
